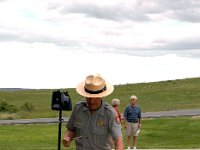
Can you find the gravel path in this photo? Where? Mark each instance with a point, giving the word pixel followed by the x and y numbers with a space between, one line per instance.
pixel 174 113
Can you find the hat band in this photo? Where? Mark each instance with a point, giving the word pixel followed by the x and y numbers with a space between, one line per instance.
pixel 95 92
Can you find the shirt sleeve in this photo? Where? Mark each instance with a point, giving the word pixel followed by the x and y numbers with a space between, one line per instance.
pixel 139 113
pixel 125 113
pixel 115 126
pixel 70 123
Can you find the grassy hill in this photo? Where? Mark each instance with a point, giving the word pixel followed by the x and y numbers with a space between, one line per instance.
pixel 154 96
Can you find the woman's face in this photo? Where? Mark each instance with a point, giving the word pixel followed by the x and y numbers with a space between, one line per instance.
pixel 93 103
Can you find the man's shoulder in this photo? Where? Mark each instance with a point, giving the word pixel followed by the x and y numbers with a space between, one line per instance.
pixel 83 102
pixel 107 105
pixel 109 108
pixel 80 104
pixel 138 107
pixel 128 106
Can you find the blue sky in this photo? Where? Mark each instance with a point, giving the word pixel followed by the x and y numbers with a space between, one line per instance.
pixel 55 44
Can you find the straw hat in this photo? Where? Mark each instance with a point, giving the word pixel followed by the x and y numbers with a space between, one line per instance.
pixel 94 86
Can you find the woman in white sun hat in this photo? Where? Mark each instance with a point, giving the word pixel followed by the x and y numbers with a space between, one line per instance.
pixel 93 122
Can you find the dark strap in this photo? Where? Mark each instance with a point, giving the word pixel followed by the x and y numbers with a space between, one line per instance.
pixel 95 92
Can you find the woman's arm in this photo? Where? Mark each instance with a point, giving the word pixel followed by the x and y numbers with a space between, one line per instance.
pixel 119 145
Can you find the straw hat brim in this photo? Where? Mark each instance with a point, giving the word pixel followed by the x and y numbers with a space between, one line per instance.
pixel 81 90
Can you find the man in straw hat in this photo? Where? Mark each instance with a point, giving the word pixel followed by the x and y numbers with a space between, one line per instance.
pixel 93 122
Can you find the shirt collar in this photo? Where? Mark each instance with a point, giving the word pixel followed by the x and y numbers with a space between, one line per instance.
pixel 100 111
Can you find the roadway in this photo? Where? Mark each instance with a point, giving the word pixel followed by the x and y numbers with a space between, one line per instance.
pixel 174 113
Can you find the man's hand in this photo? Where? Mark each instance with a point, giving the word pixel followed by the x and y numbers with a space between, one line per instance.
pixel 66 141
pixel 139 125
pixel 124 126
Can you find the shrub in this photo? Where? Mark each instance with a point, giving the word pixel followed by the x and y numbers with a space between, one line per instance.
pixel 27 107
pixel 5 107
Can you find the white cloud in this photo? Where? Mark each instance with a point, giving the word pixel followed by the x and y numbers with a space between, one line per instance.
pixel 47 66
pixel 54 44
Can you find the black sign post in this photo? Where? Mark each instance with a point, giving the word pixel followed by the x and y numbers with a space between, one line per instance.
pixel 60 101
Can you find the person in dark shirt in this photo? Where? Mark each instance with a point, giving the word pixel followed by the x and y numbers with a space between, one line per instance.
pixel 132 121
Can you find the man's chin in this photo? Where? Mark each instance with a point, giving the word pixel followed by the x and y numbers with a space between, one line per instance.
pixel 94 108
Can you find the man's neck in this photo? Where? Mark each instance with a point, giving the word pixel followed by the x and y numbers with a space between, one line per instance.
pixel 93 111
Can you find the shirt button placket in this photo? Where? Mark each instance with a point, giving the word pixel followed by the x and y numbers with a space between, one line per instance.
pixel 87 131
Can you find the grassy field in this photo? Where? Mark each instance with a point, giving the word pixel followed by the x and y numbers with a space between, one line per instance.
pixel 155 96
pixel 168 133
pixel 179 132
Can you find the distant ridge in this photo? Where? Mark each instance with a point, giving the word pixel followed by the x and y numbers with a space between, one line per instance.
pixel 161 81
pixel 13 89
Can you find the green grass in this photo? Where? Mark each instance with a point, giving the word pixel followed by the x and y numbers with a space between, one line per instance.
pixel 155 96
pixel 177 132
pixel 161 96
pixel 40 99
pixel 28 137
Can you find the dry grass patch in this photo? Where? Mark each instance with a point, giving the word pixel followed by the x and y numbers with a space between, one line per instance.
pixel 9 116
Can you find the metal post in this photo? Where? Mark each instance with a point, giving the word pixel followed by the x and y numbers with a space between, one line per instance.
pixel 60 125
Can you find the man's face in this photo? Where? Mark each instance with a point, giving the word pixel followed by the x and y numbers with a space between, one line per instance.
pixel 93 103
pixel 133 101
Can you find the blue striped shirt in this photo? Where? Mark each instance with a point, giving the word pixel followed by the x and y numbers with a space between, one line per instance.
pixel 132 113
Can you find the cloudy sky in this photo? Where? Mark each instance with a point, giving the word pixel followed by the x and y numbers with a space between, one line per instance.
pixel 55 44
